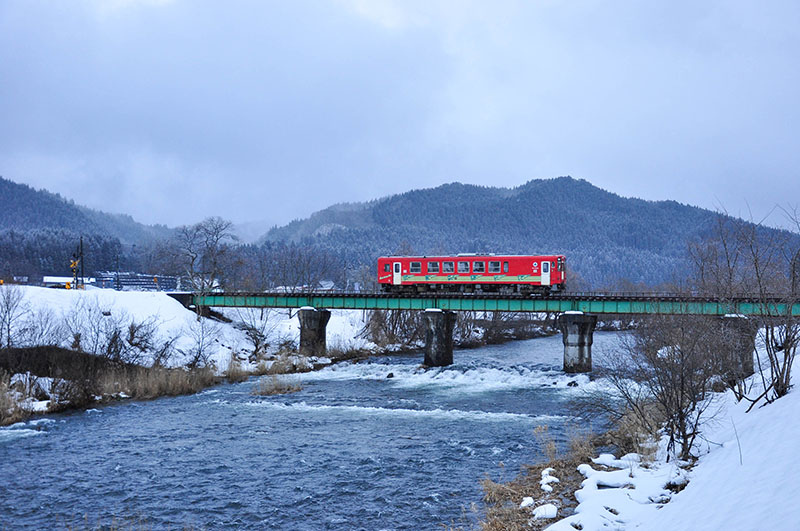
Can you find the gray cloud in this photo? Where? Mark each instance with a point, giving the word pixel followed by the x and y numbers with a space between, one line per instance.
pixel 172 110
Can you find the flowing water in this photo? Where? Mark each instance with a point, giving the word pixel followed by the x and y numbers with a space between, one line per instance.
pixel 354 449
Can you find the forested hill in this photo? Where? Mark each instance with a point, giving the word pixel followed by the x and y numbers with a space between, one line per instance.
pixel 24 209
pixel 606 237
pixel 39 232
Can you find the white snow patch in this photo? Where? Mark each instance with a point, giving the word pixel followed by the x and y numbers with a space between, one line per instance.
pixel 547 478
pixel 527 501
pixel 547 510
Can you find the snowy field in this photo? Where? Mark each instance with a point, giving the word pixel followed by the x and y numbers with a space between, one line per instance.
pixel 92 309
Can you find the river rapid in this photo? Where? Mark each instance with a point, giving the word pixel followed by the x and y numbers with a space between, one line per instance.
pixel 354 449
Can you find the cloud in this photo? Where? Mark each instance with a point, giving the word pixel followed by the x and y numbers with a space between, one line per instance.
pixel 390 14
pixel 275 109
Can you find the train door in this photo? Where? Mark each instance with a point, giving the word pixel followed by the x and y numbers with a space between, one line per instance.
pixel 545 273
pixel 396 276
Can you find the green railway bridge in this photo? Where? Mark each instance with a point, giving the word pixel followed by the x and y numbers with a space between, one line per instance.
pixel 577 317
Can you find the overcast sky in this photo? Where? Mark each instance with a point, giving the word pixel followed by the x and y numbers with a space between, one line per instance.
pixel 174 110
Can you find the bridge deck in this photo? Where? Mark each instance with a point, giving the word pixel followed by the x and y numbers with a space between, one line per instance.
pixel 600 303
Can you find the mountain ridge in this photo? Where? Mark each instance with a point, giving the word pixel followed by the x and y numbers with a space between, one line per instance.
pixel 24 208
pixel 606 236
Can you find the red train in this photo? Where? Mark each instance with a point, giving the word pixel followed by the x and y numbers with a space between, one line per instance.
pixel 473 273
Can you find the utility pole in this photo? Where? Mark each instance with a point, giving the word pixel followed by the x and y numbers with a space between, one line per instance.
pixel 83 277
pixel 76 265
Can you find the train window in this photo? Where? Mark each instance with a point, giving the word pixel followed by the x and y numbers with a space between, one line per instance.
pixel 505 267
pixel 387 268
pixel 463 267
pixel 478 267
pixel 448 267
pixel 433 267
pixel 416 267
pixel 561 264
pixel 545 267
pixel 494 267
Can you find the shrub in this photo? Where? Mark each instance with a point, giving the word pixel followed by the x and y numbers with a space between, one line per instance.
pixel 10 412
pixel 235 373
pixel 273 385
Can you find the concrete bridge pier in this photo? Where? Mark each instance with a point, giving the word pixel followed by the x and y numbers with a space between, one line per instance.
pixel 577 330
pixel 439 338
pixel 738 338
pixel 312 331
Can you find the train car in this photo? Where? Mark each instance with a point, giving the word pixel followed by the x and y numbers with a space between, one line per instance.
pixel 472 273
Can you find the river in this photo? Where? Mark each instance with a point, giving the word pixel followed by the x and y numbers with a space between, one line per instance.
pixel 354 449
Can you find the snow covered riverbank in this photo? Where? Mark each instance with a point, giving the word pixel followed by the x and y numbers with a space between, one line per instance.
pixel 126 330
pixel 94 312
pixel 744 478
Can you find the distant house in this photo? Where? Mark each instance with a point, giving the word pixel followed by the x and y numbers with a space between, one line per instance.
pixel 326 285
pixel 130 281
pixel 62 282
pixel 322 285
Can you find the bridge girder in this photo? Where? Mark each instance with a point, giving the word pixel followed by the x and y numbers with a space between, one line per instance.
pixel 565 303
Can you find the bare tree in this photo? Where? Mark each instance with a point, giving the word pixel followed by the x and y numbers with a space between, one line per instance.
pixel 298 268
pixel 13 308
pixel 365 278
pixel 744 259
pixel 203 333
pixel 775 272
pixel 42 327
pixel 719 260
pixel 669 363
pixel 202 251
pixel 163 352
pixel 93 328
pixel 391 327
pixel 256 325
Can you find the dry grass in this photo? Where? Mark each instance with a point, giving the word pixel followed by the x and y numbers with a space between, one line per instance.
pixel 503 499
pixel 235 373
pixel 274 385
pixel 143 382
pixel 261 369
pixel 631 434
pixel 282 364
pixel 10 412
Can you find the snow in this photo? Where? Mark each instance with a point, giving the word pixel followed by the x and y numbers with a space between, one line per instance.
pixel 755 491
pixel 548 510
pixel 174 320
pixel 94 312
pixel 743 479
pixel 547 478
pixel 527 501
